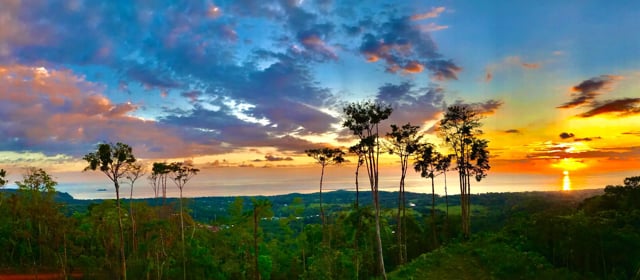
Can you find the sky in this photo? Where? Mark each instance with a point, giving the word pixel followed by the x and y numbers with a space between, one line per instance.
pixel 242 88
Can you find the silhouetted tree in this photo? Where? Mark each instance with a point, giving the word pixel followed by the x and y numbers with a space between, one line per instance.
pixel 363 119
pixel 113 161
pixel 324 157
pixel 444 166
pixel 158 179
pixel 402 141
pixel 359 151
pixel 460 129
pixel 3 176
pixel 181 173
pixel 427 163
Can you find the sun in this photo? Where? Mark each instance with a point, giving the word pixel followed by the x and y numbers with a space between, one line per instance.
pixel 566 181
pixel 569 164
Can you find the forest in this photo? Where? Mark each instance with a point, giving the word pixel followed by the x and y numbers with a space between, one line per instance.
pixel 367 234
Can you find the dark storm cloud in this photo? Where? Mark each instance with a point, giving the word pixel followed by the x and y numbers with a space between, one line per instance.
pixel 618 107
pixel 405 48
pixel 566 135
pixel 588 90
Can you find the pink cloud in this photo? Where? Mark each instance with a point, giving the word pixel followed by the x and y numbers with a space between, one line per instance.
pixel 433 13
pixel 58 111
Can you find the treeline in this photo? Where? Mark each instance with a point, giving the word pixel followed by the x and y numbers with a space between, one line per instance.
pixel 557 235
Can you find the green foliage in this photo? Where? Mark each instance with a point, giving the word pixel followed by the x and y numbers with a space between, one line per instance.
pixel 3 177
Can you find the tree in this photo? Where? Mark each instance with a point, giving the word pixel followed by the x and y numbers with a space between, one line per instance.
pixel 402 141
pixel 363 119
pixel 134 172
pixel 359 151
pixel 427 162
pixel 37 189
pixel 261 209
pixel 3 177
pixel 444 166
pixel 460 130
pixel 113 161
pixel 181 173
pixel 324 157
pixel 158 179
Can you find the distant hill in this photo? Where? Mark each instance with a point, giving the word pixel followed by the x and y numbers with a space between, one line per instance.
pixel 208 209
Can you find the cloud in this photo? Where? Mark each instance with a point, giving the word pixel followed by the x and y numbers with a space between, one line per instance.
pixel 433 13
pixel 432 27
pixel 512 131
pixel 411 104
pixel 585 92
pixel 58 112
pixel 485 108
pixel 507 64
pixel 402 45
pixel 566 135
pixel 618 107
pixel 587 139
pixel 270 157
pixel 636 133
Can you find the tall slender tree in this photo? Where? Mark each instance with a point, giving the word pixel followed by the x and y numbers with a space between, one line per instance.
pixel 261 209
pixel 460 128
pixel 363 119
pixel 359 151
pixel 113 161
pixel 402 141
pixel 444 166
pixel 134 172
pixel 159 173
pixel 181 173
pixel 324 157
pixel 427 160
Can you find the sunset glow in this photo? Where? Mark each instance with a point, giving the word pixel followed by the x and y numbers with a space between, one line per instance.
pixel 252 84
pixel 566 181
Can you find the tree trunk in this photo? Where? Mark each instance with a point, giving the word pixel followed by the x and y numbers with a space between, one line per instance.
pixel 322 208
pixel 184 257
pixel 377 205
pixel 433 214
pixel 133 221
pixel 357 187
pixel 256 273
pixel 123 267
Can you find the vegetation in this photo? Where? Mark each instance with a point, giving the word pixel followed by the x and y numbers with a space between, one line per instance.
pixel 561 235
pixel 363 119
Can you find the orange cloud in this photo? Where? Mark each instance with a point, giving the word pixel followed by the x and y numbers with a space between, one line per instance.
pixel 507 63
pixel 413 67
